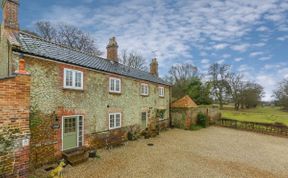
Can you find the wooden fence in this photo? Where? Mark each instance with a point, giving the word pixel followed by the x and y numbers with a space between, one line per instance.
pixel 265 128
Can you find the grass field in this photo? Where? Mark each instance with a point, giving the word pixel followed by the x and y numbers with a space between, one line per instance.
pixel 259 114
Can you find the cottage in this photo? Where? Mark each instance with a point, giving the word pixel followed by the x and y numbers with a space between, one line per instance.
pixel 74 95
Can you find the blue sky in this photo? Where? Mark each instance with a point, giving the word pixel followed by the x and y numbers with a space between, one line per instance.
pixel 250 35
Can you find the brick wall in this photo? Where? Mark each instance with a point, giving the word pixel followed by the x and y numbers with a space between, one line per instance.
pixel 14 126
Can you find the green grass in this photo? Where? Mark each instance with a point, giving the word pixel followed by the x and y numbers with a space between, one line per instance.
pixel 259 114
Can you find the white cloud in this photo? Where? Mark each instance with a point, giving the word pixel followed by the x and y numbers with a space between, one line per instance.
pixel 221 61
pixel 238 59
pixel 265 58
pixel 220 46
pixel 226 56
pixel 283 38
pixel 259 44
pixel 240 47
pixel 205 61
pixel 254 54
pixel 262 29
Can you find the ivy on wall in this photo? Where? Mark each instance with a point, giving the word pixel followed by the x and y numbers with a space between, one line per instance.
pixel 35 117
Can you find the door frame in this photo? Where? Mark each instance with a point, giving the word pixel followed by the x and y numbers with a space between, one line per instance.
pixel 77 130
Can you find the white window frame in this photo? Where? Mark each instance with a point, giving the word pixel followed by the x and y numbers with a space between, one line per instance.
pixel 147 89
pixel 115 79
pixel 73 79
pixel 115 127
pixel 161 91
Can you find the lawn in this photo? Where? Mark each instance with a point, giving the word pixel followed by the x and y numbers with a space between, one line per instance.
pixel 259 114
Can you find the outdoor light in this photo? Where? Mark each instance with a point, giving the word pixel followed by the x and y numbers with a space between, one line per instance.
pixel 55 124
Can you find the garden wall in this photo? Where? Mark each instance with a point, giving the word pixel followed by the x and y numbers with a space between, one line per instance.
pixel 14 126
pixel 185 117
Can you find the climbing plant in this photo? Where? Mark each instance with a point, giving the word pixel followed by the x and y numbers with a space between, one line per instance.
pixel 35 117
pixel 7 137
pixel 160 113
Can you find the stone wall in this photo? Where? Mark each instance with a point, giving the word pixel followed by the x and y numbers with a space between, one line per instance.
pixel 94 103
pixel 14 126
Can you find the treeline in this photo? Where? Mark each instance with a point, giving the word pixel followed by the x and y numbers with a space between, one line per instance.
pixel 220 85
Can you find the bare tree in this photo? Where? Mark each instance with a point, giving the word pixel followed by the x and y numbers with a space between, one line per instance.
pixel 67 35
pixel 237 88
pixel 182 72
pixel 46 30
pixel 133 59
pixel 219 75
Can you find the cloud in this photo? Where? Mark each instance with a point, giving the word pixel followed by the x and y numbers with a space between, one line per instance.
pixel 254 54
pixel 221 61
pixel 205 61
pixel 240 47
pixel 220 46
pixel 265 58
pixel 238 59
pixel 283 38
pixel 262 29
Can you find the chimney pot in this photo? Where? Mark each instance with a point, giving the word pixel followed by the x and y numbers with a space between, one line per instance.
pixel 21 68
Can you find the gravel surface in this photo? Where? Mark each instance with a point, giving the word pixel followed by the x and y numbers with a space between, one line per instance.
pixel 211 152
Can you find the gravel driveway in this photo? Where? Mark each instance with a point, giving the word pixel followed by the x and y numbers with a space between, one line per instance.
pixel 211 152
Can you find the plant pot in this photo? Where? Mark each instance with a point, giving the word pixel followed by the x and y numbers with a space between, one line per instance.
pixel 92 153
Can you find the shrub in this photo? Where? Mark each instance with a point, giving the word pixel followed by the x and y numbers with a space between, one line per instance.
pixel 202 119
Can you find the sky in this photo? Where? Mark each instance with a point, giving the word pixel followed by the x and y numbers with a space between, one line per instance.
pixel 249 35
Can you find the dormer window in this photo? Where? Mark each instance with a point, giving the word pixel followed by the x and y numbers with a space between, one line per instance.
pixel 114 85
pixel 73 79
pixel 144 89
pixel 161 91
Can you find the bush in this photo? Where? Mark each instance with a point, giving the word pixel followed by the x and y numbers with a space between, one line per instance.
pixel 202 119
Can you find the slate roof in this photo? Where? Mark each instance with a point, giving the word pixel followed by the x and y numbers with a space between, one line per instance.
pixel 39 47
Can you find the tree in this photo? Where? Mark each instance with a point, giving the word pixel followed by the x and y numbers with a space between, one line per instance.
pixel 281 94
pixel 46 30
pixel 252 95
pixel 67 35
pixel 186 82
pixel 182 72
pixel 133 59
pixel 219 75
pixel 236 87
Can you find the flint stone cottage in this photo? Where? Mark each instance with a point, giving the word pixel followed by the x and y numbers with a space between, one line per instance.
pixel 58 98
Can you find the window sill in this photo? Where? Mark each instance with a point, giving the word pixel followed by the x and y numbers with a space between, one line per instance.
pixel 161 96
pixel 114 128
pixel 144 95
pixel 115 93
pixel 73 89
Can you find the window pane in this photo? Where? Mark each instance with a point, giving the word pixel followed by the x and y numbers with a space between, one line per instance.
pixel 78 79
pixel 117 85
pixel 143 115
pixel 118 120
pixel 111 121
pixel 112 84
pixel 69 76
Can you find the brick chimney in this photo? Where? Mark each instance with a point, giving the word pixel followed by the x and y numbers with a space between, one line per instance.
pixel 10 14
pixel 154 67
pixel 112 49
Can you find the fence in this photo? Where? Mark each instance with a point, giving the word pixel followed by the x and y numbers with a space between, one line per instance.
pixel 265 128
